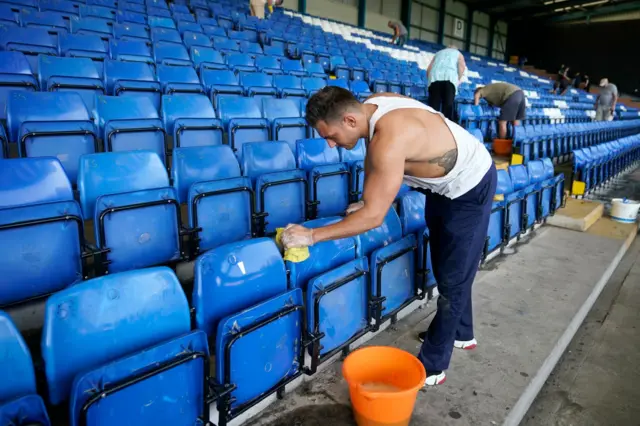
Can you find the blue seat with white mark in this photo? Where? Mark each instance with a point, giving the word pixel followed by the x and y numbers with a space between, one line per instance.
pixel 15 75
pixel 279 187
pixel 234 277
pixel 135 79
pixel 136 213
pixel 328 179
pixel 243 122
pixel 19 403
pixel 108 318
pixel 41 232
pixel 130 124
pixel 274 326
pixel 285 118
pixel 191 121
pixel 60 127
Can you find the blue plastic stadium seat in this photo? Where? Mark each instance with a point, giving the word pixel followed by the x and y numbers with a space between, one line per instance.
pixel 53 22
pixel 293 67
pixel 132 79
pixel 360 88
pixel 19 403
pixel 220 84
pixel 131 31
pixel 289 85
pixel 105 319
pixel 279 186
pixel 194 39
pixel 257 85
pixel 183 366
pixel 30 41
pixel 130 124
pixel 92 26
pixel 514 202
pixel 191 121
pixel 157 21
pixel 60 127
pixel 411 210
pixel 313 84
pixel 130 17
pixel 243 121
pixel 167 53
pixel 285 118
pixel 15 75
pixel 355 159
pixel 99 12
pixel 170 35
pixel 274 326
pixel 70 75
pixel 339 82
pixel 83 46
pixel 37 205
pixel 328 179
pixel 135 212
pixel 268 65
pixel 131 49
pixel 207 58
pixel 392 267
pixel 241 62
pixel 234 277
pixel 8 16
pixel 178 80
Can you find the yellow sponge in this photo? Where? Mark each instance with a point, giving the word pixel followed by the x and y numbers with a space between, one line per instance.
pixel 294 255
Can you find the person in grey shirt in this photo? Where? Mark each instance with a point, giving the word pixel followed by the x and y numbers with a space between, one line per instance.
pixel 606 101
pixel 399 33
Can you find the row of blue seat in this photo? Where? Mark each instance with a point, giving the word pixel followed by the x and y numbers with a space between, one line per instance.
pixel 595 166
pixel 136 212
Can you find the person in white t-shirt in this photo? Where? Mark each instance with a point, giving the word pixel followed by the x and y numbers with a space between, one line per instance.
pixel 411 143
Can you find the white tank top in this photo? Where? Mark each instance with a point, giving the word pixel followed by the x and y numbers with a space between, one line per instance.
pixel 473 158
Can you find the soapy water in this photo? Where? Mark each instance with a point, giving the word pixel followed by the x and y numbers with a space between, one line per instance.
pixel 380 387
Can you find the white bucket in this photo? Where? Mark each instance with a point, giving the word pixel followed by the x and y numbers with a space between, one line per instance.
pixel 623 210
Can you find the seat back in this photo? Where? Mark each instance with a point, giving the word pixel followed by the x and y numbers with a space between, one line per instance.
pixel 234 277
pixel 26 181
pixel 239 363
pixel 201 164
pixel 130 124
pixel 118 172
pixel 271 167
pixel 106 318
pixel 16 366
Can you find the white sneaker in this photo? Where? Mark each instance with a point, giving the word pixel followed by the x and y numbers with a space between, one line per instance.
pixel 467 345
pixel 436 379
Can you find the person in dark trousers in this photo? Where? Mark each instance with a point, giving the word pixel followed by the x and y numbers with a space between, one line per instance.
pixel 511 101
pixel 444 75
pixel 410 142
pixel 399 33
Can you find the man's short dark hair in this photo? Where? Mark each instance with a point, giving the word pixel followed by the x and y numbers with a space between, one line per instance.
pixel 329 104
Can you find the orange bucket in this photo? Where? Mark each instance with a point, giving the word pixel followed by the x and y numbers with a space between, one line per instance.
pixel 383 384
pixel 502 146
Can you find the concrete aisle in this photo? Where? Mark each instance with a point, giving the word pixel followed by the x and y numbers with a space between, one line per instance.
pixel 596 383
pixel 527 308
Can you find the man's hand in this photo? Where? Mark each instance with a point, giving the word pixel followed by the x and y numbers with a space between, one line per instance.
pixel 296 236
pixel 354 207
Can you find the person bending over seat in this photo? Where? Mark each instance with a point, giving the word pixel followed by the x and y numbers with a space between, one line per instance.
pixel 412 143
pixel 511 100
